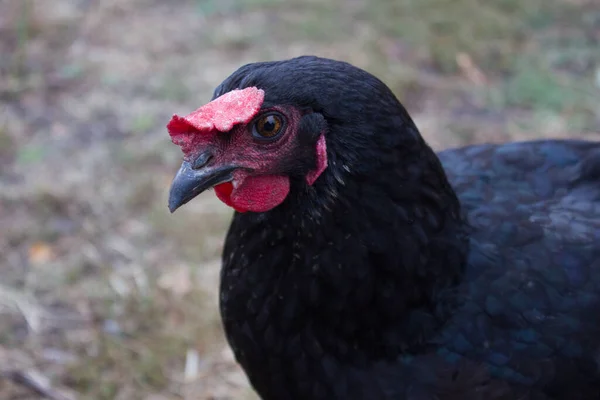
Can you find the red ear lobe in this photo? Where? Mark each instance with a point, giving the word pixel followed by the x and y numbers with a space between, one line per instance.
pixel 321 149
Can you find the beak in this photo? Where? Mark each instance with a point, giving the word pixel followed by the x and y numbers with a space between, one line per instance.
pixel 189 182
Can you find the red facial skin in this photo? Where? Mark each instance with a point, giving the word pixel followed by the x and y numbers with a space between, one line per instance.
pixel 224 126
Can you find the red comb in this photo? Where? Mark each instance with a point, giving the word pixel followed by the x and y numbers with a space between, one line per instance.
pixel 236 107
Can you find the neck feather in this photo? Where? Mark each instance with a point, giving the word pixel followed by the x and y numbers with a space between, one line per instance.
pixel 361 259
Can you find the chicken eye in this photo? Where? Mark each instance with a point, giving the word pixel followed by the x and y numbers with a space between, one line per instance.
pixel 267 126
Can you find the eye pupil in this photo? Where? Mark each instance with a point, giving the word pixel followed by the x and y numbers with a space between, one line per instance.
pixel 269 124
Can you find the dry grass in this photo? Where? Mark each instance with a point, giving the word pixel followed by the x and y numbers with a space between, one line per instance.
pixel 106 294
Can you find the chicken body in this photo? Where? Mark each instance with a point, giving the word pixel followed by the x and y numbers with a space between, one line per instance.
pixel 404 274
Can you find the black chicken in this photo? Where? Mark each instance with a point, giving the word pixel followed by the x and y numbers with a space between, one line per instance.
pixel 361 265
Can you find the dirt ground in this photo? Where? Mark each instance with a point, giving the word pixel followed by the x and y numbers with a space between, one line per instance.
pixel 103 293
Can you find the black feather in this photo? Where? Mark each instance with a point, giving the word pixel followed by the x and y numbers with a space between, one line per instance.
pixel 470 274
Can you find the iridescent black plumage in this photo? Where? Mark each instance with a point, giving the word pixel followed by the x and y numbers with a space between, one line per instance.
pixel 397 276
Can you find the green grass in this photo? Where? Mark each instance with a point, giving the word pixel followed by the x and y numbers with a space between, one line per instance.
pixel 536 54
pixel 142 353
pixel 7 145
pixel 23 34
pixel 491 32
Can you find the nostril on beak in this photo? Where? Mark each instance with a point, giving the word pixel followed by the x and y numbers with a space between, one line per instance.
pixel 201 160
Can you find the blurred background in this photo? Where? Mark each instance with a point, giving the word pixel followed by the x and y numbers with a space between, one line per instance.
pixel 103 293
